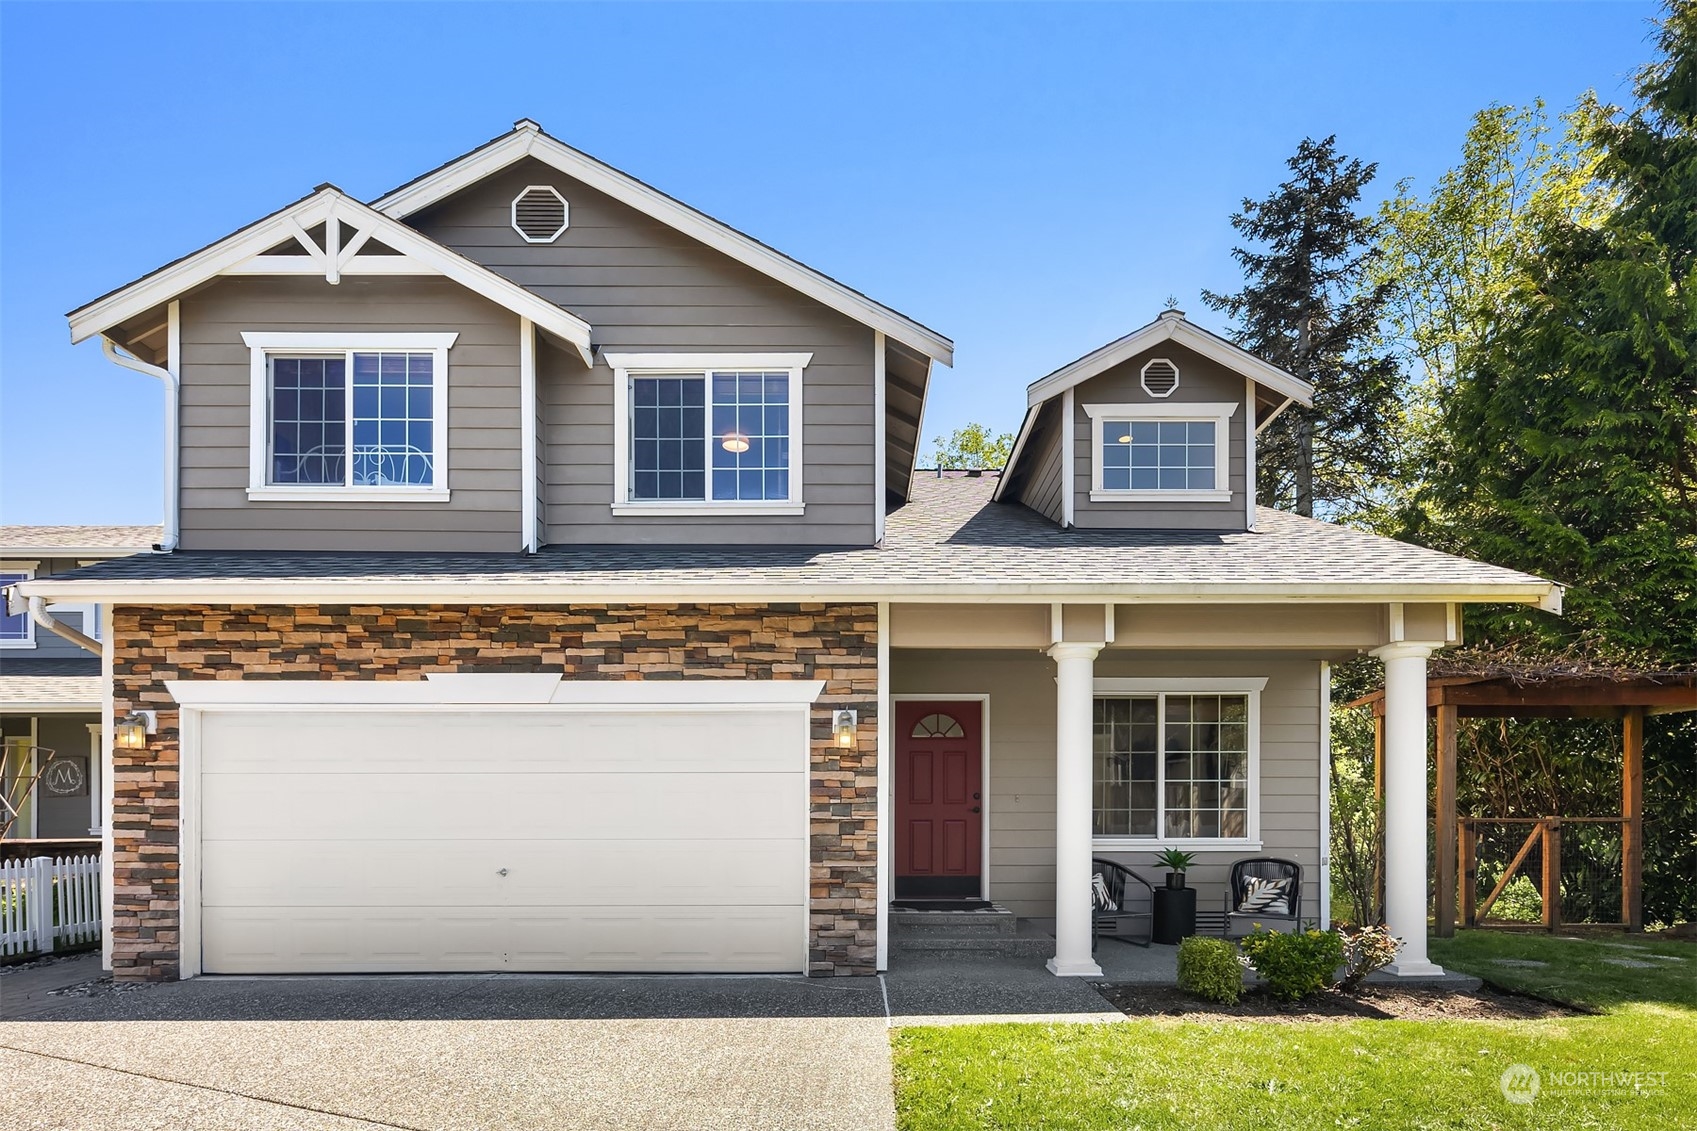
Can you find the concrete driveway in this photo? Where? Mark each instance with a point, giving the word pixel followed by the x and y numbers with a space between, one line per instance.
pixel 442 1053
pixel 446 1053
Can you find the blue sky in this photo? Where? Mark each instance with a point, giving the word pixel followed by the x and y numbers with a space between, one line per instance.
pixel 1030 180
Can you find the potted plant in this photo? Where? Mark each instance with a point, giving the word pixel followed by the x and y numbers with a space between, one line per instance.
pixel 1175 862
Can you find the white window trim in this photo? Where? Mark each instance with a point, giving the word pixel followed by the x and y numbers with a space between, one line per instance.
pixel 262 345
pixel 625 366
pixel 27 568
pixel 1217 413
pixel 1250 686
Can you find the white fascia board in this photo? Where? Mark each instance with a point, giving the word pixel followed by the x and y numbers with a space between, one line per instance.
pixel 234 250
pixel 529 141
pixel 1185 334
pixel 308 591
pixel 1025 427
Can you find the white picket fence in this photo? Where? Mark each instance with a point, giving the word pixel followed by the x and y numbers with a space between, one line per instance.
pixel 47 902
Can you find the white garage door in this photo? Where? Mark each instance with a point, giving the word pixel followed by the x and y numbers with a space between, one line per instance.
pixel 502 839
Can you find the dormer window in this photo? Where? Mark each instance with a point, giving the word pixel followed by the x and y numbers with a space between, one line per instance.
pixel 1167 452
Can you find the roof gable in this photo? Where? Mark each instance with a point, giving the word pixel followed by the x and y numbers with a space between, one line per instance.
pixel 245 252
pixel 1170 326
pixel 528 140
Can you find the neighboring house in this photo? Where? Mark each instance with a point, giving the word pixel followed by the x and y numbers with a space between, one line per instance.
pixel 52 696
pixel 551 587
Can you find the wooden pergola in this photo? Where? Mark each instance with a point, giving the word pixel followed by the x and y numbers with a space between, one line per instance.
pixel 1563 691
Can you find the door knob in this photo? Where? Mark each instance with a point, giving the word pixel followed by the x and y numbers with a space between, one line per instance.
pixel 975 797
pixel 502 872
pixel 974 809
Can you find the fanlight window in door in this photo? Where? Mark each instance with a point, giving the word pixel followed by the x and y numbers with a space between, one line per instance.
pixel 938 726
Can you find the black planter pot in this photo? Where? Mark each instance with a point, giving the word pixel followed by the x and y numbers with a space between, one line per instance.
pixel 1175 880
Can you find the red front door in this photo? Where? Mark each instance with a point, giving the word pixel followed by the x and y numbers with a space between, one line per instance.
pixel 939 807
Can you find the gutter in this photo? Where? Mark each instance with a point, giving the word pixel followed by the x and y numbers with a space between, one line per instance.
pixel 38 613
pixel 168 540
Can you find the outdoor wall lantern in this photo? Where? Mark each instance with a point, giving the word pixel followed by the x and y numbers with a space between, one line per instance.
pixel 132 730
pixel 842 728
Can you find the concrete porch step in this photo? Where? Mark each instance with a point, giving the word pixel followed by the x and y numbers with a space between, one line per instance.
pixel 990 922
pixel 1024 940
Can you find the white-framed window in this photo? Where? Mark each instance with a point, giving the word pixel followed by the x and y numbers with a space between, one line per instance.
pixel 17 630
pixel 707 433
pixel 1176 762
pixel 349 416
pixel 1160 452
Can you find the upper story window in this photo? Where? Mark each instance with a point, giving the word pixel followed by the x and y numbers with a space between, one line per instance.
pixel 359 416
pixel 1166 452
pixel 17 630
pixel 707 432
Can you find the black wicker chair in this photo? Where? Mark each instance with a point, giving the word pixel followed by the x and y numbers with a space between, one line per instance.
pixel 1134 903
pixel 1282 913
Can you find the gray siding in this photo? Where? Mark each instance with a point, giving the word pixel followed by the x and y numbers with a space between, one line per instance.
pixel 1041 489
pixel 645 287
pixel 1200 380
pixel 482 513
pixel 1021 790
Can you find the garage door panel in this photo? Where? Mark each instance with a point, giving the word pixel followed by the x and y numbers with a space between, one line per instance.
pixel 240 874
pixel 354 742
pixel 373 841
pixel 471 806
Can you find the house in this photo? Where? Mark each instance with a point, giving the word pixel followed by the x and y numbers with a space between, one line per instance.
pixel 547 584
pixel 52 696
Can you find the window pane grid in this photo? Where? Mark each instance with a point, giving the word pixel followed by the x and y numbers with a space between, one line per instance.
pixel 308 420
pixel 393 419
pixel 1174 763
pixel 716 436
pixel 1158 455
pixel 668 453
pixel 751 436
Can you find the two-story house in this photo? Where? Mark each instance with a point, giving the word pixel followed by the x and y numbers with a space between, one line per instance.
pixel 550 586
pixel 52 695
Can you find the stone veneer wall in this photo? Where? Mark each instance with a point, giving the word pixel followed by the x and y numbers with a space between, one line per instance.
pixel 834 643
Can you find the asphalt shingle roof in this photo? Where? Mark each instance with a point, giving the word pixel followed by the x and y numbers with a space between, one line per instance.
pixel 950 536
pixel 35 538
pixel 30 682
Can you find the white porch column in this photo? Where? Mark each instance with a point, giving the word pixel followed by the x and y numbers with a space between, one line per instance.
pixel 1075 687
pixel 1406 860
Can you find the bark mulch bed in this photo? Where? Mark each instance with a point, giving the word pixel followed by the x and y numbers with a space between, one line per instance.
pixel 1373 1003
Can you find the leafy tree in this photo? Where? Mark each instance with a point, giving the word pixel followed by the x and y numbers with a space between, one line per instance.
pixel 1569 447
pixel 973 446
pixel 1305 307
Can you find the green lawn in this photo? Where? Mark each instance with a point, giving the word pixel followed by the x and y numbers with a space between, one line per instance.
pixel 1415 1074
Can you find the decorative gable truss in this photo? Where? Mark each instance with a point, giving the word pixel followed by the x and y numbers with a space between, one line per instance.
pixel 331 234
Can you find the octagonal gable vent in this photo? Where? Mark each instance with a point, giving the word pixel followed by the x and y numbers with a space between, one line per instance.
pixel 1160 377
pixel 540 214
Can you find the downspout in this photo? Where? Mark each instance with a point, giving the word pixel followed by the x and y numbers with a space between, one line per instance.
pixel 169 377
pixel 38 613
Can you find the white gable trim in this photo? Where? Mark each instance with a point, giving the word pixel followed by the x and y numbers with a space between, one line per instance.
pixel 528 140
pixel 243 253
pixel 1175 329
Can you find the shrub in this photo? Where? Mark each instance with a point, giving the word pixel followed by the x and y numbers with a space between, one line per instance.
pixel 1364 951
pixel 1297 964
pixel 1520 902
pixel 1209 968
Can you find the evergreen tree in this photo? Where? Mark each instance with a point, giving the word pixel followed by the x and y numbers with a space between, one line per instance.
pixel 1306 307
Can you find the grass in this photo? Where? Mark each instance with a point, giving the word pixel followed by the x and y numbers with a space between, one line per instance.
pixel 1161 1073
